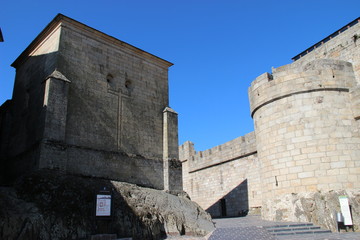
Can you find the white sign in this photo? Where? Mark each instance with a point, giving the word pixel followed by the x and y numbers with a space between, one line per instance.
pixel 345 210
pixel 103 205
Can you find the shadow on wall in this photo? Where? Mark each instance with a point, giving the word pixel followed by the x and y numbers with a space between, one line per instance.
pixel 63 207
pixel 233 204
pixel 22 117
pixel 57 132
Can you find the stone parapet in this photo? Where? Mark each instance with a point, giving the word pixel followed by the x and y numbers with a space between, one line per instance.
pixel 224 180
pixel 306 143
pixel 234 149
pixel 318 75
pixel 342 45
pixel 307 137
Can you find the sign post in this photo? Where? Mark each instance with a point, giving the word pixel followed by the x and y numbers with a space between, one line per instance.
pixel 103 205
pixel 103 211
pixel 345 210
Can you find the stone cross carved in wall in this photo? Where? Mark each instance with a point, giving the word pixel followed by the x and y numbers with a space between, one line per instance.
pixel 120 86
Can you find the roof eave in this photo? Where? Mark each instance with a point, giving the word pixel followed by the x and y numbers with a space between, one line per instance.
pixel 62 18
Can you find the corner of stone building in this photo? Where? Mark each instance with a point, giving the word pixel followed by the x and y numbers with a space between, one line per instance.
pixel 172 164
pixel 186 151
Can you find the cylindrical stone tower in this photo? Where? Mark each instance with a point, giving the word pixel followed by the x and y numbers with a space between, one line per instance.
pixel 307 137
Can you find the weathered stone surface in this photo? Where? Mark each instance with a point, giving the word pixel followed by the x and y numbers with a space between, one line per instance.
pixel 224 180
pixel 306 140
pixel 51 205
pixel 319 208
pixel 87 103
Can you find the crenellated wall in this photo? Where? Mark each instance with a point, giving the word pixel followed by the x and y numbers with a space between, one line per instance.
pixel 306 140
pixel 307 137
pixel 225 179
pixel 306 123
pixel 343 44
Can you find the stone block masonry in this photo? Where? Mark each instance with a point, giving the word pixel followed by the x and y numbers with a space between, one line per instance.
pixel 307 137
pixel 89 104
pixel 223 180
pixel 306 153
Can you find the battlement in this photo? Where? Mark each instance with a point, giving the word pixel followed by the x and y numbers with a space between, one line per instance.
pixel 341 45
pixel 235 149
pixel 326 39
pixel 306 139
pixel 230 172
pixel 318 75
pixel 306 130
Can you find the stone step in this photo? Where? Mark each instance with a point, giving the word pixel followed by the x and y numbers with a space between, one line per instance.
pixel 283 227
pixel 295 229
pixel 302 232
pixel 292 229
pixel 290 225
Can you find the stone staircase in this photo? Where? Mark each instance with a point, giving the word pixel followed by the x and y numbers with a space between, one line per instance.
pixel 295 229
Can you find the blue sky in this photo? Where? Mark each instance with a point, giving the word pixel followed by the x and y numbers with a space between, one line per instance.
pixel 218 47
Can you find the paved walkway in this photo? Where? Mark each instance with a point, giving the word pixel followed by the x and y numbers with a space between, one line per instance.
pixel 252 228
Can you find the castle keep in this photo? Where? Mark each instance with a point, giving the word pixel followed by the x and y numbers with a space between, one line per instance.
pixel 89 104
pixel 306 139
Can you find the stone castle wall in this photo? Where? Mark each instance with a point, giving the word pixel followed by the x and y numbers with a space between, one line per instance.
pixel 342 45
pixel 305 116
pixel 89 104
pixel 26 110
pixel 307 138
pixel 121 93
pixel 224 180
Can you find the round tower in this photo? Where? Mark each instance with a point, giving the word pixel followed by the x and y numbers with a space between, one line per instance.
pixel 307 137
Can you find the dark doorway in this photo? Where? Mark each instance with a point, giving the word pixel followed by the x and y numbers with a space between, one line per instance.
pixel 223 207
pixel 234 204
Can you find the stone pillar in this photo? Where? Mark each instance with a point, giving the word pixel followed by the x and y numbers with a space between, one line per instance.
pixel 53 151
pixel 172 165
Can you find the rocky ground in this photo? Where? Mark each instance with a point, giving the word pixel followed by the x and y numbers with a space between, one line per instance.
pixel 318 207
pixel 50 205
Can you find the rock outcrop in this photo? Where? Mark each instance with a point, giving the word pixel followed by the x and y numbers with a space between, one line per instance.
pixel 319 208
pixel 50 205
